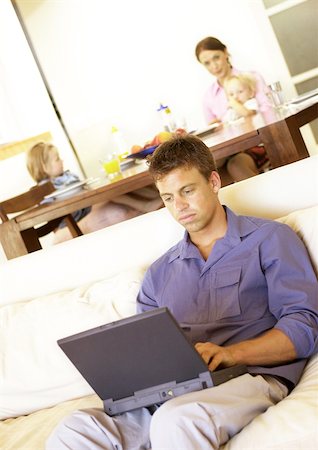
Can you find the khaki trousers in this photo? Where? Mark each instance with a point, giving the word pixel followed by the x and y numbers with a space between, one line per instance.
pixel 202 420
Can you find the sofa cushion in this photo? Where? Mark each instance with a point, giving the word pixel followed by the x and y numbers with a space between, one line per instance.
pixel 34 372
pixel 305 223
pixel 277 192
pixel 31 432
pixel 289 425
pixel 128 244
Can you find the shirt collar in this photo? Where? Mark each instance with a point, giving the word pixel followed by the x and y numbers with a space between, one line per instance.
pixel 237 228
pixel 215 88
pixel 184 249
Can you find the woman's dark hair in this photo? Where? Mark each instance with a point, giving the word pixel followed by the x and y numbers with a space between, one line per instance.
pixel 209 43
pixel 184 151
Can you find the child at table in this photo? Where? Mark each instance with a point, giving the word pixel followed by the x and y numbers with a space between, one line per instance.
pixel 240 91
pixel 44 164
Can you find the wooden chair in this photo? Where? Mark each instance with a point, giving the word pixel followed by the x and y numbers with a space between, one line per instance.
pixel 29 199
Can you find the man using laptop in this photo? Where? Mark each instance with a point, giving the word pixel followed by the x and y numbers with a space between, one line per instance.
pixel 244 290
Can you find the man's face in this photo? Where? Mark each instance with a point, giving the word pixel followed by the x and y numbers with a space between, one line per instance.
pixel 190 198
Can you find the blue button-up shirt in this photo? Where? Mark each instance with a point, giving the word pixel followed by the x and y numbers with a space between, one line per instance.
pixel 257 277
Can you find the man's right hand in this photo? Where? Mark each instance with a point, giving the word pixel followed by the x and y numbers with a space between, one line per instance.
pixel 214 355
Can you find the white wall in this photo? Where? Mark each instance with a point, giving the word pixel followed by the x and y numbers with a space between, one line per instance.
pixel 25 107
pixel 112 62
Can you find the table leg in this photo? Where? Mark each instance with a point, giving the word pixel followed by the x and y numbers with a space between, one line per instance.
pixel 31 240
pixel 283 142
pixel 11 240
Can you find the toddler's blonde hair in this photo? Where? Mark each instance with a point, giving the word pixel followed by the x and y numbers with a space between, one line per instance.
pixel 245 78
pixel 37 157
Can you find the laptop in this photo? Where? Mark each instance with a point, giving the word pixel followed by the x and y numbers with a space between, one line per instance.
pixel 141 361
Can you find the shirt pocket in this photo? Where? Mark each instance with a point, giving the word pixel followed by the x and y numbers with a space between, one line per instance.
pixel 225 292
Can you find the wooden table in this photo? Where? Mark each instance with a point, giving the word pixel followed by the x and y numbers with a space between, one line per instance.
pixel 18 232
pixel 278 131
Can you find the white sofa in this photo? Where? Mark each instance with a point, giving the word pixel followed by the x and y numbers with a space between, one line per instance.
pixel 94 279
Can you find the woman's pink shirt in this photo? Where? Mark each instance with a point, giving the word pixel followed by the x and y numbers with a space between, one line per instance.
pixel 215 103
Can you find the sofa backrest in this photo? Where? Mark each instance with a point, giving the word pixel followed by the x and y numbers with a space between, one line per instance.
pixel 277 192
pixel 134 243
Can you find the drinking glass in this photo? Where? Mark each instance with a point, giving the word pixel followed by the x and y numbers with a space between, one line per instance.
pixel 276 94
pixel 111 166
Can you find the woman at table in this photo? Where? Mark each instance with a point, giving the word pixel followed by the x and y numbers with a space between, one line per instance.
pixel 214 56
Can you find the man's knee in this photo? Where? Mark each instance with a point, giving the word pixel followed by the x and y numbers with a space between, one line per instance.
pixel 68 431
pixel 164 417
pixel 57 437
pixel 177 418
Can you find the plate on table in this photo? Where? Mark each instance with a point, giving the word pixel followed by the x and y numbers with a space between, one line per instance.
pixel 143 153
pixel 70 190
pixel 127 163
pixel 207 129
pixel 304 97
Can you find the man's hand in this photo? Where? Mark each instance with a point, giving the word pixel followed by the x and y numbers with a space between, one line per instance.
pixel 272 348
pixel 214 355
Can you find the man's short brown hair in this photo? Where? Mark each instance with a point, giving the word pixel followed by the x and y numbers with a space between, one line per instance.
pixel 184 151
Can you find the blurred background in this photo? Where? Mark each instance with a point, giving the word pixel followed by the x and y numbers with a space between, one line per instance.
pixel 75 68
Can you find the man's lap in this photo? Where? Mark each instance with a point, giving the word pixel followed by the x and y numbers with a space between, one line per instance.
pixel 214 415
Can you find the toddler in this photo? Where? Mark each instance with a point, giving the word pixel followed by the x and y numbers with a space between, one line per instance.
pixel 44 164
pixel 240 90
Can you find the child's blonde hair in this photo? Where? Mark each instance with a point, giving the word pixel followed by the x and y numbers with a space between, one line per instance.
pixel 37 157
pixel 245 78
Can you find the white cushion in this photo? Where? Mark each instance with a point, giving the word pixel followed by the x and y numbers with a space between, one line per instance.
pixel 289 425
pixel 31 432
pixel 128 244
pixel 277 192
pixel 34 372
pixel 305 223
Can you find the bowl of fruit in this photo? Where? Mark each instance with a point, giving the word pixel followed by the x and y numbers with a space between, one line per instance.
pixel 139 152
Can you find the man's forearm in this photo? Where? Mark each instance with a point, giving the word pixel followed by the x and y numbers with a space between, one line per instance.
pixel 272 348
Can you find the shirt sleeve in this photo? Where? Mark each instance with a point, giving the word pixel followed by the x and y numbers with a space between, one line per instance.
pixel 65 179
pixel 146 296
pixel 70 177
pixel 207 111
pixel 292 289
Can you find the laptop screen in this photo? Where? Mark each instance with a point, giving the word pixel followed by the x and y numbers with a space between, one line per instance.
pixel 132 354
